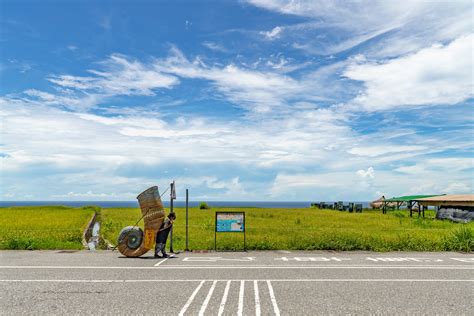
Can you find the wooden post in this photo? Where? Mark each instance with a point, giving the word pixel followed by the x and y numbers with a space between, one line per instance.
pixel 419 210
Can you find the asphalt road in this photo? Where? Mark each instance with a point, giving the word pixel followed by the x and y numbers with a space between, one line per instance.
pixel 244 283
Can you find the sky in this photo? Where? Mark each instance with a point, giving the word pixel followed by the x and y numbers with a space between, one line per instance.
pixel 266 100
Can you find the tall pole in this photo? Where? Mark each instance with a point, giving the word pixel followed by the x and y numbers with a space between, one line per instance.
pixel 172 197
pixel 187 220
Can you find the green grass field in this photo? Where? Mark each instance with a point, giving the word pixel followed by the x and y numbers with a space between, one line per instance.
pixel 309 229
pixel 43 227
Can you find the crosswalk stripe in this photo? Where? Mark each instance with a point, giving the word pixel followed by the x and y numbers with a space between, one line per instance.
pixel 208 298
pixel 257 298
pixel 224 298
pixel 241 298
pixel 191 298
pixel 273 299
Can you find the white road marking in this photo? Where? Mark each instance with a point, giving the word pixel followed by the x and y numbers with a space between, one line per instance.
pixel 273 299
pixel 228 281
pixel 313 259
pixel 160 262
pixel 437 267
pixel 215 259
pixel 400 259
pixel 470 260
pixel 208 298
pixel 257 298
pixel 224 298
pixel 191 298
pixel 240 309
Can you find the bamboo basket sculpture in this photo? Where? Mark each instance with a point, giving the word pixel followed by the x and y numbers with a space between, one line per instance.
pixel 132 241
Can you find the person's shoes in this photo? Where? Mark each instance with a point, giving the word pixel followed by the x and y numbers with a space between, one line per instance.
pixel 165 255
pixel 157 256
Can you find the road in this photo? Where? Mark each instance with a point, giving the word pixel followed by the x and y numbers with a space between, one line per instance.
pixel 242 283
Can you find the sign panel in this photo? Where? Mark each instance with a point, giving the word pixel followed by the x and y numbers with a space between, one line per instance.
pixel 232 222
pixel 173 191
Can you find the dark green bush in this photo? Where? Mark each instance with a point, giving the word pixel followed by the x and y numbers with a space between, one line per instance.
pixel 204 206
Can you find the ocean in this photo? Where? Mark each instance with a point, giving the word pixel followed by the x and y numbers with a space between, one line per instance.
pixel 110 204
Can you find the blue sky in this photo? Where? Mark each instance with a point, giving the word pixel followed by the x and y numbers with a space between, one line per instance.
pixel 236 100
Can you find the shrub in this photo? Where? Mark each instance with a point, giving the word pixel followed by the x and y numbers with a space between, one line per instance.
pixel 461 239
pixel 204 206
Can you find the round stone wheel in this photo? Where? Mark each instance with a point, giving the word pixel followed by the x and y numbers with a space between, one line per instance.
pixel 131 236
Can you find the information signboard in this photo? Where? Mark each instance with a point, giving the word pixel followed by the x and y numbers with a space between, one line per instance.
pixel 229 222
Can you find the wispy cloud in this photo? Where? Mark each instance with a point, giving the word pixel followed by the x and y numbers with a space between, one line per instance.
pixel 120 76
pixel 407 26
pixel 415 80
pixel 273 34
pixel 215 46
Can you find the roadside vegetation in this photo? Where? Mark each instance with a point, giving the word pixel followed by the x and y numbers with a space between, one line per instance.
pixel 59 227
pixel 43 227
pixel 309 229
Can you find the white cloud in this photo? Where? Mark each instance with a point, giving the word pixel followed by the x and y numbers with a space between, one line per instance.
pixel 406 26
pixel 436 75
pixel 273 34
pixel 89 195
pixel 458 188
pixel 120 77
pixel 441 165
pixel 284 135
pixel 383 149
pixel 369 173
pixel 214 46
pixel 257 91
pixel 62 152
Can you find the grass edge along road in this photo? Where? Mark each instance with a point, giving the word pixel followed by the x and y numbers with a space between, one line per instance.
pixel 308 229
pixel 59 227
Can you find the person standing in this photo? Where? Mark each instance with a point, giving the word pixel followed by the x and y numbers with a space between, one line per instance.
pixel 162 236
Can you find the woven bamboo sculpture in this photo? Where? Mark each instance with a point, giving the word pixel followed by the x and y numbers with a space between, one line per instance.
pixel 132 241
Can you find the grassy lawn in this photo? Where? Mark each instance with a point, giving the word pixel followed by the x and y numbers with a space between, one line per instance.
pixel 309 229
pixel 43 227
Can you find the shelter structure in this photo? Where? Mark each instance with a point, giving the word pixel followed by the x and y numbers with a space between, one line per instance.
pixel 455 207
pixel 377 203
pixel 458 200
pixel 411 202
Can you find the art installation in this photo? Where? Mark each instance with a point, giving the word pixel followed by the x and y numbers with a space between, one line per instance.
pixel 132 241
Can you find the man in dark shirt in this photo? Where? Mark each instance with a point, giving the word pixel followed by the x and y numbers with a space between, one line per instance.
pixel 162 236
